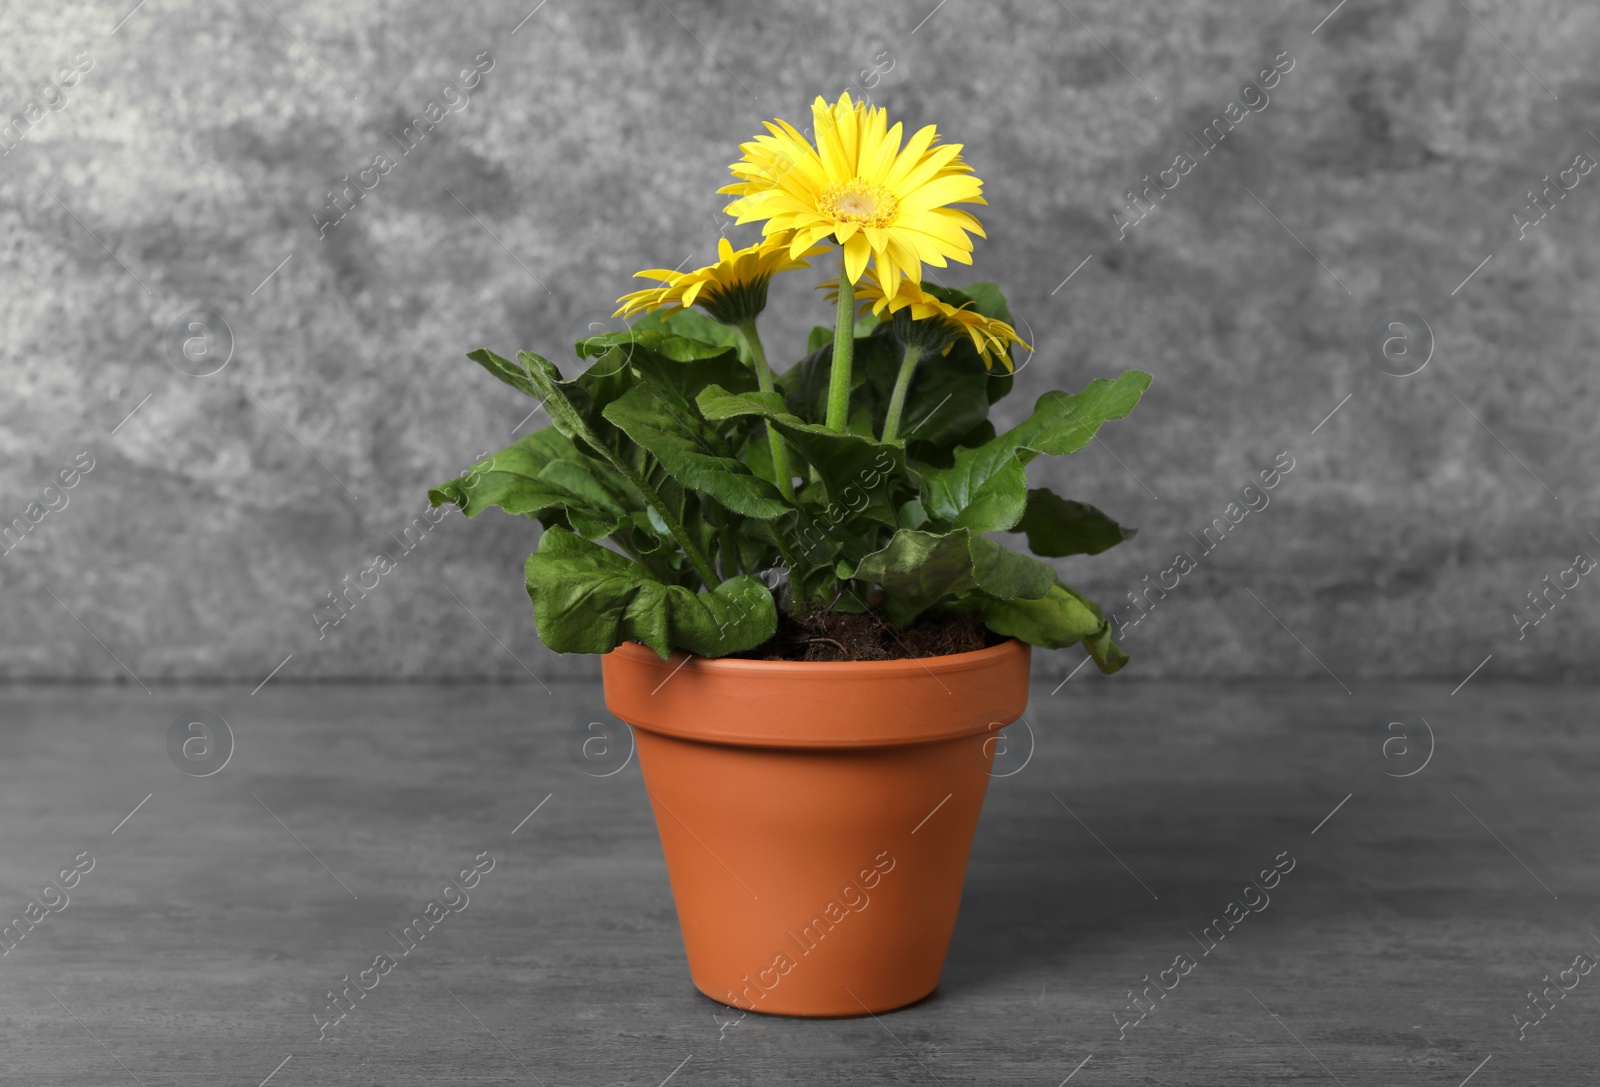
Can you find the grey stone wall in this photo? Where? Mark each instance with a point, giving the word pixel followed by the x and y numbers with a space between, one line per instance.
pixel 188 165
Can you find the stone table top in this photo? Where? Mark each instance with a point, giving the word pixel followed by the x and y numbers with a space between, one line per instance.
pixel 209 916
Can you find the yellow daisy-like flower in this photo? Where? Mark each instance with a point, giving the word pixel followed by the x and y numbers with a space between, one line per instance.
pixel 733 290
pixel 923 318
pixel 881 201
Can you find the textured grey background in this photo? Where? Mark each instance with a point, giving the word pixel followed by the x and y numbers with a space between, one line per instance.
pixel 187 163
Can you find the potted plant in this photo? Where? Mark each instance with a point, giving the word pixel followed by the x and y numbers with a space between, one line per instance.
pixel 791 575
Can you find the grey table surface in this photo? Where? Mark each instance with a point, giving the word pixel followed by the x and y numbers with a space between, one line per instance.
pixel 1419 912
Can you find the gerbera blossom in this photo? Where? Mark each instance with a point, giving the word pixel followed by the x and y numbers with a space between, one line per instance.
pixel 732 290
pixel 933 322
pixel 881 201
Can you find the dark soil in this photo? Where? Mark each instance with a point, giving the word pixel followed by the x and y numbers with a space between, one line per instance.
pixel 822 635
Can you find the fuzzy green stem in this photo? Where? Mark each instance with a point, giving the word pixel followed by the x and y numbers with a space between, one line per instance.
pixel 627 548
pixel 897 400
pixel 780 451
pixel 728 560
pixel 797 597
pixel 573 424
pixel 729 546
pixel 844 345
pixel 697 558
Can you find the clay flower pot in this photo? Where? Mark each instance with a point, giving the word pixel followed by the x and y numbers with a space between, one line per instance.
pixel 816 817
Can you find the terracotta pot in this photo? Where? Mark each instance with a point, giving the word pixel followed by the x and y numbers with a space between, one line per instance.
pixel 816 817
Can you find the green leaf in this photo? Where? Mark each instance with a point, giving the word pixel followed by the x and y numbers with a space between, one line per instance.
pixel 1108 656
pixel 1057 619
pixel 667 345
pixel 587 478
pixel 717 403
pixel 664 358
pixel 999 502
pixel 949 395
pixel 573 417
pixel 693 453
pixel 587 599
pixel 919 569
pixel 508 372
pixel 1058 526
pixel 540 379
pixel 695 325
pixel 857 472
pixel 947 400
pixel 542 475
pixel 805 385
pixel 1060 424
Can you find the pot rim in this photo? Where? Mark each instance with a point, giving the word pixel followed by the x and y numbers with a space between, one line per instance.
pixel 818 704
pixel 947 662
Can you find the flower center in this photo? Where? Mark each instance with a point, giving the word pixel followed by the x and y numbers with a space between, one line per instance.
pixel 857 201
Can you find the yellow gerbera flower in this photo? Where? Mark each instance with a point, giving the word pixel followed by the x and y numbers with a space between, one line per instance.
pixel 732 290
pixel 934 322
pixel 880 201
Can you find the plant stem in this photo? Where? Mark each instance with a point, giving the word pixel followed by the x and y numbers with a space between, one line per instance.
pixel 844 345
pixel 572 423
pixel 797 597
pixel 728 545
pixel 697 558
pixel 626 547
pixel 780 451
pixel 897 400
